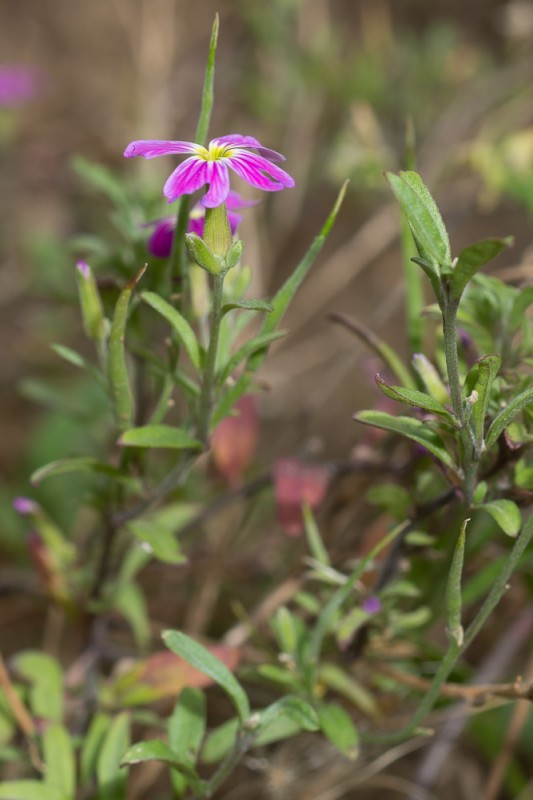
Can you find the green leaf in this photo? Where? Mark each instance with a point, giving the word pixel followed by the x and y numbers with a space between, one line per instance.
pixel 186 730
pixel 92 743
pixel 487 370
pixel 46 683
pixel 129 600
pixel 117 367
pixel 66 466
pixel 338 727
pixel 345 684
pixel 506 416
pixel 157 540
pixel 520 305
pixel 454 601
pixel 220 741
pixel 58 755
pixel 159 436
pixel 202 660
pixel 77 360
pixel 248 349
pixel 293 707
pixel 248 305
pixel 207 89
pixel 417 399
pixel 314 540
pixel 156 750
pixel 111 777
pixel 26 790
pixel 98 177
pixel 283 297
pixel 473 258
pixel 410 428
pixel 423 217
pixel 179 324
pixel 506 514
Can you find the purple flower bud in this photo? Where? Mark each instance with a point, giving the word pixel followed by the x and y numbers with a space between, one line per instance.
pixel 372 604
pixel 23 505
pixel 18 84
pixel 83 268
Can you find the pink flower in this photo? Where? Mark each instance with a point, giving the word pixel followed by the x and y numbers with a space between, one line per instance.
pixel 295 483
pixel 18 83
pixel 210 166
pixel 160 242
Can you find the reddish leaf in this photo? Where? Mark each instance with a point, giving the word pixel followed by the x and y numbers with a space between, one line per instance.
pixel 234 441
pixel 295 483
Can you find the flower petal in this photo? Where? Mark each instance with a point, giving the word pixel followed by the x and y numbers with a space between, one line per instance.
pixel 234 220
pixel 151 148
pixel 186 179
pixel 218 184
pixel 259 172
pixel 248 141
pixel 234 201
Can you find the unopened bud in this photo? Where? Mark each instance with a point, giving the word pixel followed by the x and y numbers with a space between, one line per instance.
pixel 234 254
pixel 92 310
pixel 202 254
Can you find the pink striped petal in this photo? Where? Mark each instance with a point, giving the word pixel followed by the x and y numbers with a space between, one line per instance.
pixel 235 201
pixel 259 172
pixel 186 179
pixel 249 141
pixel 218 184
pixel 151 148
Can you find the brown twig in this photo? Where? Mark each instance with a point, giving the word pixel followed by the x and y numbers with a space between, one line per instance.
pixel 22 716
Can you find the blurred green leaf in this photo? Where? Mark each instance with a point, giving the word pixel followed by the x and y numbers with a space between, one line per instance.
pixel 58 755
pixel 430 377
pixel 27 790
pixel 204 661
pixel 454 601
pixel 485 369
pixel 338 727
pixel 119 382
pixel 220 741
pixel 179 324
pixel 314 540
pixel 111 777
pixel 98 177
pixel 186 731
pixel 250 347
pixel 157 540
pixel 346 685
pixel 506 514
pixel 64 466
pixel 300 711
pixel 129 599
pixel 92 743
pixel 45 677
pixel 155 436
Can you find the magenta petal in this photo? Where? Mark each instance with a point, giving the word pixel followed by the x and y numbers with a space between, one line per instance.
pixel 235 201
pixel 186 179
pixel 234 220
pixel 151 148
pixel 218 184
pixel 259 172
pixel 196 225
pixel 249 141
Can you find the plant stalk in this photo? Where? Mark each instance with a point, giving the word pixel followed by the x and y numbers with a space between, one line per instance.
pixel 206 395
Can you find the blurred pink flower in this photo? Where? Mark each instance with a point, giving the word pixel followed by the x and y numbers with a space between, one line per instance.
pixel 234 441
pixel 160 241
pixel 18 84
pixel 295 483
pixel 210 166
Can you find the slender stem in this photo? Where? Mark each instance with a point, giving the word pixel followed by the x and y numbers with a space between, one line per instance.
pixel 206 396
pixel 242 744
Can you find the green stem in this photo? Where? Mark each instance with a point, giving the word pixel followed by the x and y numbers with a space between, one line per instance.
pixel 206 395
pixel 242 744
pixel 454 651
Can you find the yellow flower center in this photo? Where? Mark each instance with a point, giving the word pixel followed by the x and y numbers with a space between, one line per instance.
pixel 215 152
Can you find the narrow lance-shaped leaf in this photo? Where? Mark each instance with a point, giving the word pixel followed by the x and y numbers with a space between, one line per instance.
pixel 250 347
pixel 412 429
pixel 453 589
pixel 159 436
pixel 338 727
pixel 156 750
pixel 66 466
pixel 111 777
pixel 520 305
pixel 59 760
pixel 186 730
pixel 204 661
pixel 117 367
pixel 424 218
pixel 26 790
pixel 487 370
pixel 431 379
pixel 248 305
pixel 179 324
pixel 473 258
pixel 283 297
pixel 417 399
pixel 506 416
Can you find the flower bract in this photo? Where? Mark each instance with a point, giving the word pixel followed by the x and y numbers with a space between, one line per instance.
pixel 245 155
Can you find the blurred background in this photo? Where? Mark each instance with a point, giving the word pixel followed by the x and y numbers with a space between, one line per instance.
pixel 339 87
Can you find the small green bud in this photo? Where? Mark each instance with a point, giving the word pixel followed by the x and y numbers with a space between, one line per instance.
pixel 202 254
pixel 234 254
pixel 94 322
